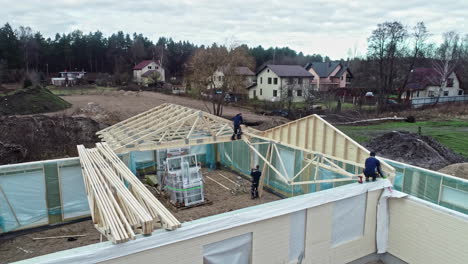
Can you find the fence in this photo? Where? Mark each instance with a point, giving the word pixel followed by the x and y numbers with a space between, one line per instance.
pixel 419 102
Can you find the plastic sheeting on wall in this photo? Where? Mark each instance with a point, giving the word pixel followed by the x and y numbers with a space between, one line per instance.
pixel 232 250
pixel 348 219
pixel 383 213
pixel 25 193
pixel 74 200
pixel 427 185
pixel 297 231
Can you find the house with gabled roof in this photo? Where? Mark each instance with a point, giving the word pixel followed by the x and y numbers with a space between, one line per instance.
pixel 427 82
pixel 148 69
pixel 329 75
pixel 247 76
pixel 275 82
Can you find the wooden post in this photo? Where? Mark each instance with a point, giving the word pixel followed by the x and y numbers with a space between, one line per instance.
pixel 262 179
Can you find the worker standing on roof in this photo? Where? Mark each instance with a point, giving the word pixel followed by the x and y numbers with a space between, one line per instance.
pixel 237 120
pixel 256 174
pixel 372 167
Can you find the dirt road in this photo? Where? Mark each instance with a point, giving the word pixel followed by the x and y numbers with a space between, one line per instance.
pixel 128 104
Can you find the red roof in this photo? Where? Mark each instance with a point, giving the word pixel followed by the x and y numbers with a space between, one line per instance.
pixel 143 64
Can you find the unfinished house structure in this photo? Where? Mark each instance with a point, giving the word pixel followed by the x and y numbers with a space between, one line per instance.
pixel 325 216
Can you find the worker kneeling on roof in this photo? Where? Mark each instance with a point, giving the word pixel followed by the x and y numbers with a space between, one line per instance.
pixel 372 167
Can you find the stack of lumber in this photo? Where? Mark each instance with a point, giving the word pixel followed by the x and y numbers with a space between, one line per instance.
pixel 121 206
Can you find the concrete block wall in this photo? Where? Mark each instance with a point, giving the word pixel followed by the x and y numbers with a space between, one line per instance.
pixel 423 233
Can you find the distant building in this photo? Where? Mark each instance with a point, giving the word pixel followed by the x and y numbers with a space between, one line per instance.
pixel 426 82
pixel 275 82
pixel 146 69
pixel 68 78
pixel 329 75
pixel 248 78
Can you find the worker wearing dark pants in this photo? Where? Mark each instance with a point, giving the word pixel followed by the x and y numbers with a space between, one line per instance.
pixel 237 120
pixel 372 167
pixel 256 174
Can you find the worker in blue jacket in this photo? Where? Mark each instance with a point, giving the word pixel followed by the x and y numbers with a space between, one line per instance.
pixel 372 167
pixel 237 120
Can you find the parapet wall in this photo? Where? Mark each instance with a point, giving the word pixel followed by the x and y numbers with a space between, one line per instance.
pixel 421 232
pixel 331 226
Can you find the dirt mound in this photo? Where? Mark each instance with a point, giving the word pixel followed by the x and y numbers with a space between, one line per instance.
pixel 422 151
pixel 42 137
pixel 97 113
pixel 31 100
pixel 459 170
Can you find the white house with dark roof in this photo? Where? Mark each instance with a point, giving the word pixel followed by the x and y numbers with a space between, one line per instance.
pixel 426 82
pixel 329 75
pixel 146 69
pixel 275 82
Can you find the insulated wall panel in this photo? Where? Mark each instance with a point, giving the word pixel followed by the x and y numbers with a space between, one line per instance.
pixel 74 200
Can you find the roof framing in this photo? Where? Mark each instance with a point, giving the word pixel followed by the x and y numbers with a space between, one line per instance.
pixel 313 133
pixel 166 126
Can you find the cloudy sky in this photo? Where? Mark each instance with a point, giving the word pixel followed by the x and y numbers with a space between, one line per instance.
pixel 330 27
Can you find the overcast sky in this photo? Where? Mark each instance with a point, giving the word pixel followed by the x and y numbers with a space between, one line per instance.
pixel 312 26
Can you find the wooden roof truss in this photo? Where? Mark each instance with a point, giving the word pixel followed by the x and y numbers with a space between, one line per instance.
pixel 311 158
pixel 166 126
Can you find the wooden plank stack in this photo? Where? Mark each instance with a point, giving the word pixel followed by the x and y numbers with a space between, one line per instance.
pixel 121 206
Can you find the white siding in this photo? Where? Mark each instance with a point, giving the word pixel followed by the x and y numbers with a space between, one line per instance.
pixel 421 234
pixel 271 240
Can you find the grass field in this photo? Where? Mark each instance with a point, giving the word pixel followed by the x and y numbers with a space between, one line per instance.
pixel 453 133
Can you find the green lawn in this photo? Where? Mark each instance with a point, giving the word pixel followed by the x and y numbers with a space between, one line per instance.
pixel 453 133
pixel 77 90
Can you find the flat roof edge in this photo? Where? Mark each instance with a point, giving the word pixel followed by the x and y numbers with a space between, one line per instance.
pixel 207 225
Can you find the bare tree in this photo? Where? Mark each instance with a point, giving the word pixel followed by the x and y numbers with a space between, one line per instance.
pixel 385 45
pixel 419 37
pixel 446 60
pixel 28 45
pixel 213 73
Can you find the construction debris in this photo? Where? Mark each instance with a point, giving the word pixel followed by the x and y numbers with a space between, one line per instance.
pixel 55 237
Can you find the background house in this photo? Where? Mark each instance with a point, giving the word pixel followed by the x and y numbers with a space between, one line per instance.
pixel 147 69
pixel 68 78
pixel 276 82
pixel 426 82
pixel 329 75
pixel 245 75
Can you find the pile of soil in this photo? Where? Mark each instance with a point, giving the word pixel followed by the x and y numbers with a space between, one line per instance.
pixel 411 148
pixel 43 137
pixel 97 113
pixel 31 100
pixel 459 170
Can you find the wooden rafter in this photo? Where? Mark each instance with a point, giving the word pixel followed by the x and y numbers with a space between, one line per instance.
pixel 165 126
pixel 118 211
pixel 313 133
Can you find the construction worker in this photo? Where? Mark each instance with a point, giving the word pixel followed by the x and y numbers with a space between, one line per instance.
pixel 237 120
pixel 256 174
pixel 372 167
